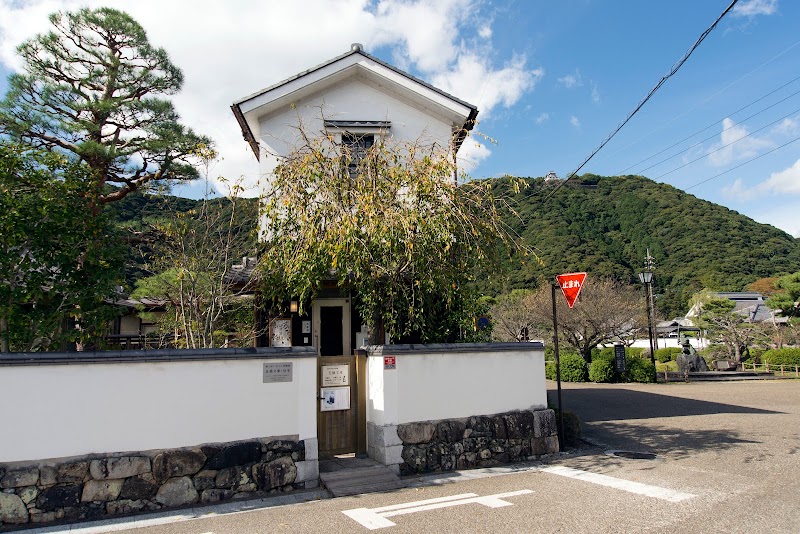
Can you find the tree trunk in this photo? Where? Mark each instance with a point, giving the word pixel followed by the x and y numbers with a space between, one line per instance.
pixel 4 334
pixel 377 330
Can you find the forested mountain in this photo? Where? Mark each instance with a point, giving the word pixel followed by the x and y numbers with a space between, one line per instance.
pixel 139 217
pixel 604 225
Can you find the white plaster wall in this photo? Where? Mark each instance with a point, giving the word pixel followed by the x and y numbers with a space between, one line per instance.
pixel 445 385
pixel 52 411
pixel 353 100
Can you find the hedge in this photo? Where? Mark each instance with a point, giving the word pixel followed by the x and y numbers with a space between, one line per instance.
pixel 784 356
pixel 639 369
pixel 601 370
pixel 667 354
pixel 573 368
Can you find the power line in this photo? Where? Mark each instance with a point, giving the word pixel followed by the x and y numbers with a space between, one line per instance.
pixel 725 146
pixel 704 101
pixel 658 85
pixel 711 126
pixel 742 164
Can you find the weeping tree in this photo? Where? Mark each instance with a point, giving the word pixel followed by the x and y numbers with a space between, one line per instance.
pixel 387 223
pixel 92 88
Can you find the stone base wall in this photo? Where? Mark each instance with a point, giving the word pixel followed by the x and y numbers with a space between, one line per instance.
pixel 100 486
pixel 478 441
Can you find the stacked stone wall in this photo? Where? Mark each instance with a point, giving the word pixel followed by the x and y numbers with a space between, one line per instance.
pixel 99 486
pixel 479 441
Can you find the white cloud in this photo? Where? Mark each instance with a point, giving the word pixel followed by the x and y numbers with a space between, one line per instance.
pixel 542 118
pixel 736 144
pixel 471 155
pixel 595 93
pixel 785 182
pixel 573 120
pixel 788 127
pixel 228 49
pixel 571 80
pixel 473 79
pixel 737 191
pixel 427 30
pixel 752 8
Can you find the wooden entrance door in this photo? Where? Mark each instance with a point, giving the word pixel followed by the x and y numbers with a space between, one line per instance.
pixel 331 332
pixel 341 430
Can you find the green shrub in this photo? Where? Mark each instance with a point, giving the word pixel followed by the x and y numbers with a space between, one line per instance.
pixel 573 368
pixel 637 351
pixel 639 369
pixel 754 355
pixel 605 353
pixel 667 354
pixel 784 356
pixel 550 370
pixel 601 370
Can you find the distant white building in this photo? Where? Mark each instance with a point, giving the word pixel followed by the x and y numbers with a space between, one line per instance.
pixel 551 176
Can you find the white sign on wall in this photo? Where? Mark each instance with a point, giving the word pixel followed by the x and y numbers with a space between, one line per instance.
pixel 334 399
pixel 277 372
pixel 335 375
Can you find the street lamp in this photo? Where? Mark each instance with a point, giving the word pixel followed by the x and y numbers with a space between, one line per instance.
pixel 646 277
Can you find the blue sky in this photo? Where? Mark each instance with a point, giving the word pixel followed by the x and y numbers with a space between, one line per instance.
pixel 551 80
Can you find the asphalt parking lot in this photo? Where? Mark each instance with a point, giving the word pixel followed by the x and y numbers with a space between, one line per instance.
pixel 737 444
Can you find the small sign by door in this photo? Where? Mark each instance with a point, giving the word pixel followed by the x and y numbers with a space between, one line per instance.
pixel 389 362
pixel 334 399
pixel 335 375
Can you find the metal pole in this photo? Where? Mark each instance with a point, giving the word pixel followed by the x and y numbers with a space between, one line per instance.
pixel 649 292
pixel 653 310
pixel 558 371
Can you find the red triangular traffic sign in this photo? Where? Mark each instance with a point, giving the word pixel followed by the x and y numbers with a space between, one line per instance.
pixel 571 284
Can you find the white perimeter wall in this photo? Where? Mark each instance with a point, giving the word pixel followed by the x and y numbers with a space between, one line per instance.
pixel 447 385
pixel 52 411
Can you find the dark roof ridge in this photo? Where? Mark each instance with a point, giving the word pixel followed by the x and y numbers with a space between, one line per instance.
pixel 355 48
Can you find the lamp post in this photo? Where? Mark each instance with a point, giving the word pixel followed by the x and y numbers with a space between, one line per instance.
pixel 646 277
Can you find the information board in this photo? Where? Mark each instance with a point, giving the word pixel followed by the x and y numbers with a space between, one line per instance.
pixel 277 372
pixel 333 399
pixel 335 375
pixel 619 358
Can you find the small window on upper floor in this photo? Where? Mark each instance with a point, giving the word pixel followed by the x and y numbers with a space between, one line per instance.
pixel 357 145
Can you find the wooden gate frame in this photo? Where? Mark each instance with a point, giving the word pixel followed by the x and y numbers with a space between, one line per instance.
pixel 358 404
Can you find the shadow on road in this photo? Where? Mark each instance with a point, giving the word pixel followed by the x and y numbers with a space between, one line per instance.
pixel 659 439
pixel 618 404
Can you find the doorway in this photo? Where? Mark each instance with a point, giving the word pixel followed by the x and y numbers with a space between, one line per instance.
pixel 331 332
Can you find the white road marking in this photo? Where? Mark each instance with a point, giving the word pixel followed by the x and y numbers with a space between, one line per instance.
pixel 375 518
pixel 618 483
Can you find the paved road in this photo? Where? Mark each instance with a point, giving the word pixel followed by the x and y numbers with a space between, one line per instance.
pixel 736 444
pixel 727 462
